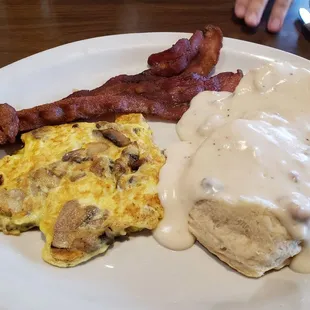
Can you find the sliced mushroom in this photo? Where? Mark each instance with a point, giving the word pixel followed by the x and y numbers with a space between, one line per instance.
pixel 58 168
pixel 131 154
pixel 11 201
pixel 120 168
pixel 76 175
pixel 4 208
pixel 127 160
pixel 138 163
pixel 101 124
pixel 79 227
pixel 16 198
pixel 127 182
pixel 95 148
pixel 77 156
pixel 87 244
pixel 100 167
pixel 42 180
pixel 90 213
pixel 116 137
pixel 1 179
pixel 70 218
pixel 132 180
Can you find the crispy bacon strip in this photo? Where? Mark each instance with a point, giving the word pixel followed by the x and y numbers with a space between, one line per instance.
pixel 168 100
pixel 225 81
pixel 209 51
pixel 199 55
pixel 202 51
pixel 83 108
pixel 171 90
pixel 160 91
pixel 9 124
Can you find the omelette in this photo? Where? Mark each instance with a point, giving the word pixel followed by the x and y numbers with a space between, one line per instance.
pixel 83 185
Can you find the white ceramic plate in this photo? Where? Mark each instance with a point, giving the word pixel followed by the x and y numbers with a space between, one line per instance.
pixel 138 274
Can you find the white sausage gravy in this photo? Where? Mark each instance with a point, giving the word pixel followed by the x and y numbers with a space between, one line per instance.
pixel 252 145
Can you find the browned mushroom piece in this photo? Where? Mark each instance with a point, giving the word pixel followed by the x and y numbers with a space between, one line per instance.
pixel 86 243
pixel 120 168
pixel 134 160
pixel 1 179
pixel 138 163
pixel 77 175
pixel 116 137
pixel 42 180
pixel 11 201
pixel 100 166
pixel 130 155
pixel 77 156
pixel 79 228
pixel 100 124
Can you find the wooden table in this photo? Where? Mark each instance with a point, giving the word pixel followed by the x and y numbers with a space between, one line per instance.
pixel 31 26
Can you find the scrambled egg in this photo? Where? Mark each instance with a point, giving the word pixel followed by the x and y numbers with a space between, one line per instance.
pixel 83 184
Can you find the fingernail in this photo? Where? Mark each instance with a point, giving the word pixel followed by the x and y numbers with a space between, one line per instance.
pixel 251 19
pixel 240 11
pixel 274 24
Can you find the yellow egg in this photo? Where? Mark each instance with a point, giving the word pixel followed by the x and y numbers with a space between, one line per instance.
pixel 83 184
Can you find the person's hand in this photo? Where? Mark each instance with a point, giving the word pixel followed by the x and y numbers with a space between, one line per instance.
pixel 252 10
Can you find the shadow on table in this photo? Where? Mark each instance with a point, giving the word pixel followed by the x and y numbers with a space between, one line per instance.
pixel 304 33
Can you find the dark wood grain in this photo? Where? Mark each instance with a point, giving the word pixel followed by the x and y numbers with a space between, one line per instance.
pixel 31 26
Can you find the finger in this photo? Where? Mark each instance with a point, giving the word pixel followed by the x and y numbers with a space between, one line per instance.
pixel 254 12
pixel 241 7
pixel 278 14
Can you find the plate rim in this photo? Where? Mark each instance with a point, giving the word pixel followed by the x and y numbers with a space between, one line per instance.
pixel 231 45
pixel 228 42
